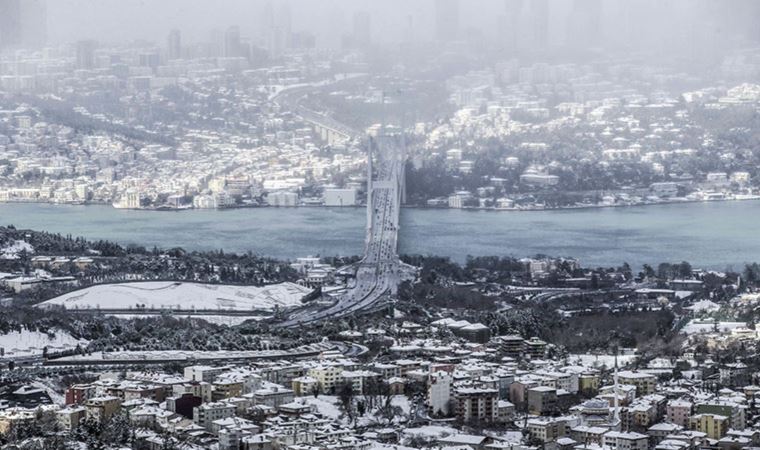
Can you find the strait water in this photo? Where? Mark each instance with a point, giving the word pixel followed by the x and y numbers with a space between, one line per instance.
pixel 716 235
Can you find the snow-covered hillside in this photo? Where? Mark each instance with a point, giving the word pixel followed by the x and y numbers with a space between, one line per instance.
pixel 28 343
pixel 10 250
pixel 180 295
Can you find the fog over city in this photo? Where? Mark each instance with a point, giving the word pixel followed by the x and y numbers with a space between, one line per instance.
pixel 379 224
pixel 657 26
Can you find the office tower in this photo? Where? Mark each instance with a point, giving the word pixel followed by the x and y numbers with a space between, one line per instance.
pixel 33 23
pixel 583 28
pixel 10 23
pixel 276 41
pixel 266 18
pixel 23 23
pixel 174 45
pixel 539 10
pixel 232 45
pixel 510 27
pixel 409 34
pixel 446 20
pixel 303 39
pixel 277 28
pixel 150 59
pixel 707 36
pixel 284 20
pixel 362 34
pixel 86 54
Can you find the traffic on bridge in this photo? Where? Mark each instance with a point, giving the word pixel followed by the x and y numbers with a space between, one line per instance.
pixel 380 271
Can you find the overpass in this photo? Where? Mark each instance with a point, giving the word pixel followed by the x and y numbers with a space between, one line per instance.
pixel 379 272
pixel 328 129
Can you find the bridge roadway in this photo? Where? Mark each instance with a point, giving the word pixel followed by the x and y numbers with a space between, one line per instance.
pixel 380 270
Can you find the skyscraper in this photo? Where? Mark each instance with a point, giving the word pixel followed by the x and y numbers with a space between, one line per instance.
pixel 174 45
pixel 446 20
pixel 277 28
pixel 276 41
pixel 33 23
pixel 539 10
pixel 583 27
pixel 362 34
pixel 23 23
pixel 510 27
pixel 232 45
pixel 10 23
pixel 86 54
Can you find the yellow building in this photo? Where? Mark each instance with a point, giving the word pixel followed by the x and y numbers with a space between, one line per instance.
pixel 100 409
pixel 713 425
pixel 305 385
pixel 14 416
pixel 227 389
pixel 645 383
pixel 328 376
pixel 588 383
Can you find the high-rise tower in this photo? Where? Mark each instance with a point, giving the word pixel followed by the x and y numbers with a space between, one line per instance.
pixel 446 20
pixel 174 45
pixel 23 23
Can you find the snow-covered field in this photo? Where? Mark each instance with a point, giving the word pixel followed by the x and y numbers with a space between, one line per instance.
pixel 697 326
pixel 429 432
pixel 230 321
pixel 327 405
pixel 30 343
pixel 180 295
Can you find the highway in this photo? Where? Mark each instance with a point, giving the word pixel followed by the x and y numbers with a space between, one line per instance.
pixel 290 100
pixel 380 270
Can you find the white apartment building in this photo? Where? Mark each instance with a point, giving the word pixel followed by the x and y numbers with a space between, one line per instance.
pixel 439 393
pixel 205 414
pixel 617 440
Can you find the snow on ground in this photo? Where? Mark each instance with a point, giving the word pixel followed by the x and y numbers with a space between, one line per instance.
pixel 52 391
pixel 151 355
pixel 696 326
pixel 704 305
pixel 429 432
pixel 230 321
pixel 509 436
pixel 180 295
pixel 29 343
pixel 402 401
pixel 381 446
pixel 327 405
pixel 11 250
pixel 588 360
pixel 748 298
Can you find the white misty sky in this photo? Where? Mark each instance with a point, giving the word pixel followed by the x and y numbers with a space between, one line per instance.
pixel 120 20
pixel 127 20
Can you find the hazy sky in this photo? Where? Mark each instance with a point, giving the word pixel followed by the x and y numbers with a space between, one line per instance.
pixel 119 20
pixel 126 20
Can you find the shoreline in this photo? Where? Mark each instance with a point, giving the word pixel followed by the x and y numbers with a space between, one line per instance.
pixel 420 207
